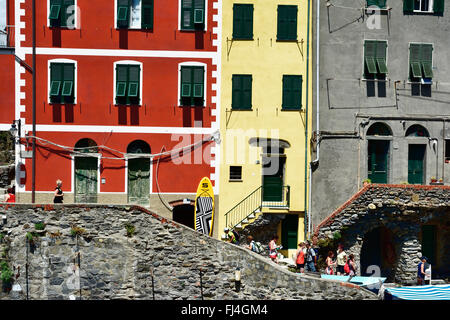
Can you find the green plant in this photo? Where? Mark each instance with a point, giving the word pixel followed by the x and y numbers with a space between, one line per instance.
pixel 367 180
pixel 39 226
pixel 337 235
pixel 30 237
pixel 76 231
pixel 130 229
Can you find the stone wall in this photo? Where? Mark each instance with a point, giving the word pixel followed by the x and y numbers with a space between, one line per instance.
pixel 102 262
pixel 402 210
pixel 6 175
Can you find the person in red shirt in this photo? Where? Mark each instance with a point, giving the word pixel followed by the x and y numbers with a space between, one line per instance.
pixel 11 196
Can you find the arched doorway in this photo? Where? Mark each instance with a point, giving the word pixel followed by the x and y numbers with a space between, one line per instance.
pixel 185 214
pixel 138 153
pixel 378 152
pixel 378 251
pixel 86 171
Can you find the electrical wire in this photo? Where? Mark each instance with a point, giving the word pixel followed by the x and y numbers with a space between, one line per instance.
pixel 125 156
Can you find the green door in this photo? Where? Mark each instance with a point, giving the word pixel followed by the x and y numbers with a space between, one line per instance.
pixel 378 161
pixel 86 180
pixel 273 171
pixel 429 243
pixel 416 159
pixel 289 232
pixel 139 181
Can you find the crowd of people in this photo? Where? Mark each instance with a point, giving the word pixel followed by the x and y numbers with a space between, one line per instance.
pixel 306 257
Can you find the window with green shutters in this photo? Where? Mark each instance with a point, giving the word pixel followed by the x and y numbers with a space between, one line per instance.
pixel 128 84
pixel 242 21
pixel 193 14
pixel 423 6
pixel 378 3
pixel 135 14
pixel 61 15
pixel 192 86
pixel 375 59
pixel 287 23
pixel 420 61
pixel 241 92
pixel 292 92
pixel 62 82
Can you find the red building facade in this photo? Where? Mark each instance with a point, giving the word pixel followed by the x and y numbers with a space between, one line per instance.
pixel 121 86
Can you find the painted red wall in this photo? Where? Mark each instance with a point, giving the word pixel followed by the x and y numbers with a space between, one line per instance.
pixel 97 29
pixel 95 95
pixel 54 163
pixel 7 89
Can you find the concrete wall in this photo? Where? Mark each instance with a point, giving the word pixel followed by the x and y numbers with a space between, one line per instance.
pixel 347 111
pixel 114 266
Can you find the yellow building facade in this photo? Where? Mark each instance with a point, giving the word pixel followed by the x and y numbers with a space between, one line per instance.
pixel 265 121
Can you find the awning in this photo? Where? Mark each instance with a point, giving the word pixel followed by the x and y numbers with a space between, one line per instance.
pixel 437 292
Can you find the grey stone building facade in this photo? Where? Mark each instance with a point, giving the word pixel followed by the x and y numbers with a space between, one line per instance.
pixel 381 109
pixel 381 105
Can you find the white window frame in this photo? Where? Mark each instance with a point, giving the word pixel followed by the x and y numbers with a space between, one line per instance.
pixel 430 6
pixel 205 85
pixel 75 86
pixel 180 20
pixel 77 14
pixel 141 79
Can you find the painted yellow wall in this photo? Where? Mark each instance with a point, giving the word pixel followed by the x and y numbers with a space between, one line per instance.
pixel 267 60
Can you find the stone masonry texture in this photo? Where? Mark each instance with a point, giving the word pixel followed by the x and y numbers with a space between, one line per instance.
pixel 102 262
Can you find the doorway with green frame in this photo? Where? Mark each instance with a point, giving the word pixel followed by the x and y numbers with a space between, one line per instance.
pixel 86 171
pixel 139 177
pixel 416 163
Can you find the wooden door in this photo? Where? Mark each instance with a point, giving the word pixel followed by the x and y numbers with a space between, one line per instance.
pixel 378 161
pixel 139 181
pixel 273 177
pixel 86 179
pixel 289 232
pixel 416 160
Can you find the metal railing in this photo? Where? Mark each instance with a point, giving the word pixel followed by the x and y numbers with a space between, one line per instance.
pixel 255 201
pixel 6 36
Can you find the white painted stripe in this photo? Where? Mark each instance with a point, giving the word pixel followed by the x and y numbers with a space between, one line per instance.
pixel 21 95
pixel 213 163
pixel 22 70
pixel 213 150
pixel 22 12
pixel 119 129
pixel 215 5
pixel 21 37
pixel 213 100
pixel 214 74
pixel 214 86
pixel 22 82
pixel 214 111
pixel 215 30
pixel 215 17
pixel 215 43
pixel 124 53
pixel 212 176
pixel 22 24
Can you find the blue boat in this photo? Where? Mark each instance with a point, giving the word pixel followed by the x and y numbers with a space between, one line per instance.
pixel 369 282
pixel 434 292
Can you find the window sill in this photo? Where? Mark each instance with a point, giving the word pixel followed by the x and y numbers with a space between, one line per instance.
pixel 127 105
pixel 291 109
pixel 242 39
pixel 189 106
pixel 287 40
pixel 235 180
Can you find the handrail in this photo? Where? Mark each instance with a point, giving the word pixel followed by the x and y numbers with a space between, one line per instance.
pixel 254 201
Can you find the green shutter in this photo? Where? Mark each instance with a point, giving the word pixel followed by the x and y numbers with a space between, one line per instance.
pixel 133 89
pixel 421 58
pixel 198 82
pixel 186 82
pixel 438 6
pixel 379 3
pixel 292 92
pixel 121 89
pixel 241 92
pixel 65 15
pixel 187 7
pixel 370 54
pixel 67 88
pixel 147 14
pixel 199 16
pixel 54 88
pixel 408 6
pixel 287 22
pixel 381 56
pixel 123 13
pixel 427 60
pixel 55 11
pixel 243 21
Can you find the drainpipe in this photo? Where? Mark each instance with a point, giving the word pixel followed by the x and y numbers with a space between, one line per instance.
pixel 33 179
pixel 305 227
pixel 316 160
